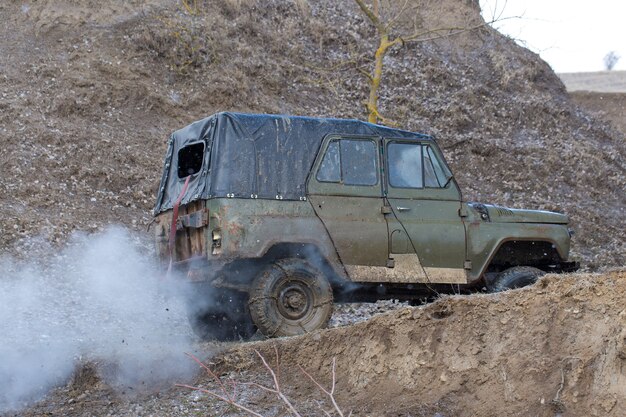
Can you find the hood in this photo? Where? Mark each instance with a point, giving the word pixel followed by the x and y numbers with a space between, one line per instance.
pixel 507 215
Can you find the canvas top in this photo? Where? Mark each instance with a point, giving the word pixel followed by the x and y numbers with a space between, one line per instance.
pixel 252 155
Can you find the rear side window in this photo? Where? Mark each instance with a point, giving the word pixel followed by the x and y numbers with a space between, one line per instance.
pixel 349 162
pixel 190 159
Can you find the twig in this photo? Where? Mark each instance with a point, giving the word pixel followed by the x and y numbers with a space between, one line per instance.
pixel 210 373
pixel 274 375
pixel 231 398
pixel 222 398
pixel 397 16
pixel 373 17
pixel 331 393
pixel 225 397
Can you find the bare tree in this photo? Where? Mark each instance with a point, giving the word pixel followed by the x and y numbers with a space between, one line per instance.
pixel 610 60
pixel 390 36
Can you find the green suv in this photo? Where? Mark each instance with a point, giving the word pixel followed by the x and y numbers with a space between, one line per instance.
pixel 274 218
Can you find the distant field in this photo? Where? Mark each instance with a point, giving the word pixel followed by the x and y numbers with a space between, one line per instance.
pixel 602 81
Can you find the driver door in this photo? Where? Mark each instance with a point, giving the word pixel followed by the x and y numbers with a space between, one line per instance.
pixel 426 231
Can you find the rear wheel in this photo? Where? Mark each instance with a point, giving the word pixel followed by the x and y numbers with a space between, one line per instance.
pixel 290 297
pixel 516 277
pixel 222 316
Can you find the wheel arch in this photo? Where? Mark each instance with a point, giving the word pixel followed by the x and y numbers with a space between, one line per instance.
pixel 310 252
pixel 539 253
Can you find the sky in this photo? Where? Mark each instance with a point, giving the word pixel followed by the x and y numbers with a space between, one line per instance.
pixel 571 35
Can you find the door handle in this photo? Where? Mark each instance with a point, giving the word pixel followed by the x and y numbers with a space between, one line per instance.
pixel 403 208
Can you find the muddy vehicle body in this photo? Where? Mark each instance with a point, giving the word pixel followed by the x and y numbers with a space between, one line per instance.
pixel 275 218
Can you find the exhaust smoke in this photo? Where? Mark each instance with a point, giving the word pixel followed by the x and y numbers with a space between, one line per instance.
pixel 100 299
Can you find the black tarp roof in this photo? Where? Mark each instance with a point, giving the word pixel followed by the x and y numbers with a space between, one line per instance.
pixel 255 155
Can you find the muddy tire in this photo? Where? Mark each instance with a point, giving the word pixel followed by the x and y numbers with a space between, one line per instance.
pixel 224 318
pixel 516 277
pixel 290 297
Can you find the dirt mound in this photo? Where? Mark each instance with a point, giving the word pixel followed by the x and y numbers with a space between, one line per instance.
pixel 557 347
pixel 608 106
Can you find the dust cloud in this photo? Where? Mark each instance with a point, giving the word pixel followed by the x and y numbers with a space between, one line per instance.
pixel 101 299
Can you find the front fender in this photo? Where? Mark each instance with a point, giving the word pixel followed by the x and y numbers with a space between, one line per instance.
pixel 485 238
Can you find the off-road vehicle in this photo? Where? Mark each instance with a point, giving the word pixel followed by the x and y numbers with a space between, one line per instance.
pixel 276 217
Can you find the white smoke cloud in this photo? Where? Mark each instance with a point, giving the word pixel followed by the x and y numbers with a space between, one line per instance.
pixel 100 299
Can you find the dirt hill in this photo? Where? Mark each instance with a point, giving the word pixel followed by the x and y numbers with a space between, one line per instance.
pixel 91 90
pixel 602 94
pixel 495 355
pixel 608 106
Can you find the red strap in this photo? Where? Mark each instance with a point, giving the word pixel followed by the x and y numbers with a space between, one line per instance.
pixel 175 220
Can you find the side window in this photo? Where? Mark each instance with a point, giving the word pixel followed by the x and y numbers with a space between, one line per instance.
pixel 358 162
pixel 437 174
pixel 329 169
pixel 413 165
pixel 405 165
pixel 190 159
pixel 350 162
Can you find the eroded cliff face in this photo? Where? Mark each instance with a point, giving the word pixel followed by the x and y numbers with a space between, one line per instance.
pixel 556 347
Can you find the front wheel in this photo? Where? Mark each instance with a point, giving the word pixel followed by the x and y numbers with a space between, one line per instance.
pixel 290 297
pixel 516 277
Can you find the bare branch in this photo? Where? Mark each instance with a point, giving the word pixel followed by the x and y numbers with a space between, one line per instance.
pixel 373 17
pixel 277 363
pixel 451 31
pixel 277 383
pixel 329 69
pixel 211 374
pixel 331 393
pixel 231 399
pixel 397 16
pixel 263 387
pixel 222 398
pixel 366 74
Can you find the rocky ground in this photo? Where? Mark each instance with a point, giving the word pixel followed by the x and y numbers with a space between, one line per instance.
pixel 91 90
